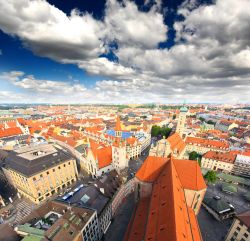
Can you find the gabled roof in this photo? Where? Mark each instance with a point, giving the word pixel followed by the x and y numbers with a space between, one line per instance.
pixel 207 142
pixel 151 168
pixel 167 218
pixel 13 131
pixel 103 154
pixel 190 174
pixel 228 157
pixel 176 142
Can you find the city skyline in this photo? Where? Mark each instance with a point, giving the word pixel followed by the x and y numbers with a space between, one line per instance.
pixel 124 51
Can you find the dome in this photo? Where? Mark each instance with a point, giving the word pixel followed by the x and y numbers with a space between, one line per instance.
pixel 183 109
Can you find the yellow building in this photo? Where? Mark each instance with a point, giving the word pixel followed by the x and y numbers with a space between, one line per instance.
pixel 240 229
pixel 37 172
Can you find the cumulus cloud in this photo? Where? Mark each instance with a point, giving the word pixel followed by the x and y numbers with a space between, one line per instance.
pixel 209 61
pixel 50 32
pixel 129 26
pixel 30 83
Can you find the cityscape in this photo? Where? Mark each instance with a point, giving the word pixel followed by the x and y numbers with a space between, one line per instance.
pixel 125 120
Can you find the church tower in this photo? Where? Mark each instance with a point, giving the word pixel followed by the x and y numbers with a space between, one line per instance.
pixel 119 153
pixel 181 120
pixel 118 128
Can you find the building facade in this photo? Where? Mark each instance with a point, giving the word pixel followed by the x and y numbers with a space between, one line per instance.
pixel 180 128
pixel 218 161
pixel 242 166
pixel 240 228
pixel 38 172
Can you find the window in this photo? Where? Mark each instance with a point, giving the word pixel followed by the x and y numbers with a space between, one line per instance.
pixel 34 178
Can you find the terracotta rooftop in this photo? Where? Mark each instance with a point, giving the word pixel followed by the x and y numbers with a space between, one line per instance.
pixel 190 175
pixel 102 153
pixel 12 131
pixel 151 168
pixel 168 217
pixel 228 157
pixel 176 142
pixel 207 142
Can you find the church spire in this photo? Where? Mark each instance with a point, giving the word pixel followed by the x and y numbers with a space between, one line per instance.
pixel 118 128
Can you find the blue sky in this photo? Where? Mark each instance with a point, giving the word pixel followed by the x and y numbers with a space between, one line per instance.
pixel 124 51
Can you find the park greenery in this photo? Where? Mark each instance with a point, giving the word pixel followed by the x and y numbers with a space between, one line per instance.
pixel 211 177
pixel 158 131
pixel 195 156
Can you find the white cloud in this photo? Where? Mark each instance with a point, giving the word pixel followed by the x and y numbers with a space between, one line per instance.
pixel 209 62
pixel 129 26
pixel 30 83
pixel 50 32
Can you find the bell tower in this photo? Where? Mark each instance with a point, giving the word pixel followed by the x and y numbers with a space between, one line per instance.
pixel 181 120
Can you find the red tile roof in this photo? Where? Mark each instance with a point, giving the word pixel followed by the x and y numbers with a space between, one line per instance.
pixel 176 142
pixel 190 175
pixel 207 142
pixel 168 217
pixel 228 157
pixel 13 131
pixel 151 168
pixel 103 154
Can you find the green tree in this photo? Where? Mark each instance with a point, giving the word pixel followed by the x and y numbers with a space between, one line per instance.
pixel 160 131
pixel 211 122
pixel 211 176
pixel 174 116
pixel 195 156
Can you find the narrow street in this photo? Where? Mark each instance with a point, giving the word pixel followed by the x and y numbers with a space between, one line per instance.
pixel 121 220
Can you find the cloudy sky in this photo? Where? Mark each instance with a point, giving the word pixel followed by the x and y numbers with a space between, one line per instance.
pixel 121 51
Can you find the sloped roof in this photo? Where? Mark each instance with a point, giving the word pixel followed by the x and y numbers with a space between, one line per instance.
pixel 176 142
pixel 190 174
pixel 245 218
pixel 207 142
pixel 13 131
pixel 102 153
pixel 168 217
pixel 151 168
pixel 228 157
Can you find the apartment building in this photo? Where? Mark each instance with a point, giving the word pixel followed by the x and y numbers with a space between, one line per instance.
pixel 58 221
pixel 240 228
pixel 218 161
pixel 242 166
pixel 201 145
pixel 37 172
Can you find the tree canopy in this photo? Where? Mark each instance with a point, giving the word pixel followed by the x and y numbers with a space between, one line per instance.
pixel 211 176
pixel 195 156
pixel 158 131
